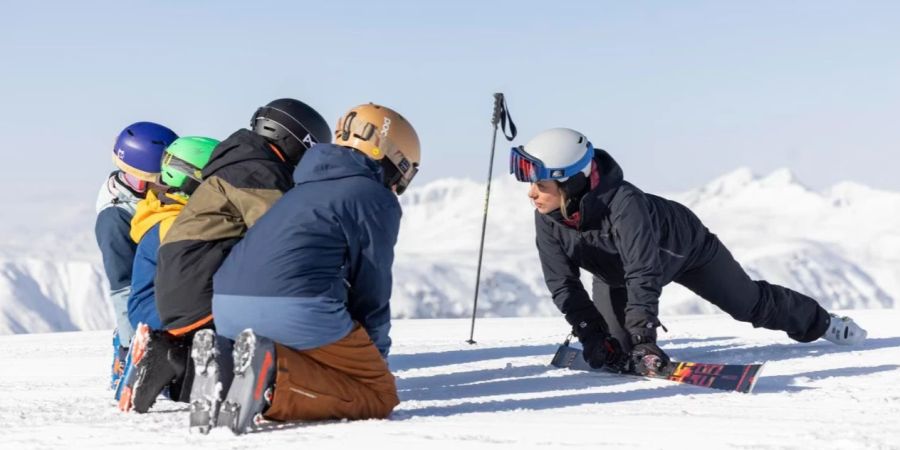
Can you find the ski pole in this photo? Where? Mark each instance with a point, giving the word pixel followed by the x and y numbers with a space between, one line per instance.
pixel 500 116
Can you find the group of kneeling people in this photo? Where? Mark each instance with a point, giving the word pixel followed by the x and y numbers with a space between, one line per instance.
pixel 293 261
pixel 252 277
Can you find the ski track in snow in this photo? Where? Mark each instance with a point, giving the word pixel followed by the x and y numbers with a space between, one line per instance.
pixel 502 393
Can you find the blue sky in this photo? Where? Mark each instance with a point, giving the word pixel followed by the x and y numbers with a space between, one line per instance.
pixel 678 92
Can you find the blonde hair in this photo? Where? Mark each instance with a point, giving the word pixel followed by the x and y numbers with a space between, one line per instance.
pixel 564 200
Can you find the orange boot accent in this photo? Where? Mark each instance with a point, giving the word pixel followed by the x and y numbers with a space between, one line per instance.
pixel 138 348
pixel 125 400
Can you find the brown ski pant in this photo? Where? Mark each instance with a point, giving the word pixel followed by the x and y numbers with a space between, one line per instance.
pixel 344 380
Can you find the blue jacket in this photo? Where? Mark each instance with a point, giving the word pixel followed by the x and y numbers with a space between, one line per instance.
pixel 142 301
pixel 152 219
pixel 116 204
pixel 318 260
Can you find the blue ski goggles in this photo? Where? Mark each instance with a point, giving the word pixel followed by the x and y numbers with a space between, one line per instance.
pixel 529 169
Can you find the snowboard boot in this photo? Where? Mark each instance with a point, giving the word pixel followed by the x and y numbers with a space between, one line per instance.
pixel 179 390
pixel 844 331
pixel 213 372
pixel 152 353
pixel 120 355
pixel 253 385
pixel 127 370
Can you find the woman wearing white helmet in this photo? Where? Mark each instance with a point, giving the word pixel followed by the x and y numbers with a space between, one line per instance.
pixel 588 217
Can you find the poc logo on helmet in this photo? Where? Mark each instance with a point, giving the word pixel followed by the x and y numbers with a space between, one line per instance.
pixel 404 165
pixel 386 127
pixel 120 153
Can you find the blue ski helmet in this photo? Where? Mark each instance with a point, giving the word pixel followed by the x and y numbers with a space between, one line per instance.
pixel 139 149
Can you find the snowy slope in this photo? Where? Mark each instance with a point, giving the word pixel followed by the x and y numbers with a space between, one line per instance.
pixel 841 246
pixel 42 295
pixel 51 278
pixel 502 393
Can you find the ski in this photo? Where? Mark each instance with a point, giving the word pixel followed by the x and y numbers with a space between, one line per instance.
pixel 728 377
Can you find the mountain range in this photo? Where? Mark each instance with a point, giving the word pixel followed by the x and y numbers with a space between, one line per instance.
pixel 840 245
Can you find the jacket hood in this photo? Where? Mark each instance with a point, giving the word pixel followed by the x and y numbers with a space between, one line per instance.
pixel 611 175
pixel 330 162
pixel 594 203
pixel 153 210
pixel 242 145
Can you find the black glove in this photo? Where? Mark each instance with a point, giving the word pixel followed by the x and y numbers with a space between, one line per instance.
pixel 647 358
pixel 617 360
pixel 601 349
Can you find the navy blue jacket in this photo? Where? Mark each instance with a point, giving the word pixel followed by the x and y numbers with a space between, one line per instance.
pixel 318 260
pixel 142 300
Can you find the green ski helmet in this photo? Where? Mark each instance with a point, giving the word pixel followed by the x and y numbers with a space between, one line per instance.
pixel 184 160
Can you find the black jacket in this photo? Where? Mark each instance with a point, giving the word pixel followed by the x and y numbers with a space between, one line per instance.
pixel 626 238
pixel 243 179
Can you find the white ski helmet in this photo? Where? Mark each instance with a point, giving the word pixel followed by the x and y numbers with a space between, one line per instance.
pixel 554 154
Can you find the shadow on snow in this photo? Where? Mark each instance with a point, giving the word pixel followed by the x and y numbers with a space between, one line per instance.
pixel 534 379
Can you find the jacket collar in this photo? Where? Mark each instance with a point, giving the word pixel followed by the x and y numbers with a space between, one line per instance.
pixel 331 162
pixel 606 178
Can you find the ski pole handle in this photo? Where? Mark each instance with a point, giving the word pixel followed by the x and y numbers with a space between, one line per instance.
pixel 498 108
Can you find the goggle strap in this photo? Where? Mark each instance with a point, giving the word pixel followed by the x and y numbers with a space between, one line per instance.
pixel 530 169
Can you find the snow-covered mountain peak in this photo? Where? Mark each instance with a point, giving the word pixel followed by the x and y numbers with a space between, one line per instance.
pixel 848 193
pixel 782 177
pixel 438 191
pixel 741 188
pixel 731 182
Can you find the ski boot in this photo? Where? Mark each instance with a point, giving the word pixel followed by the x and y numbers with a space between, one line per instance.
pixel 153 353
pixel 127 374
pixel 179 390
pixel 213 372
pixel 120 355
pixel 844 331
pixel 253 385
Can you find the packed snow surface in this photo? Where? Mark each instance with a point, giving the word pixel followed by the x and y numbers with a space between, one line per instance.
pixel 502 393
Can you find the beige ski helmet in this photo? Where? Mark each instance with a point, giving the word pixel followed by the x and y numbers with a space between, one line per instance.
pixel 385 136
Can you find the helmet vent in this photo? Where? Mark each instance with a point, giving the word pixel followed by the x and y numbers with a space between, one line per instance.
pixel 580 139
pixel 130 133
pixel 158 143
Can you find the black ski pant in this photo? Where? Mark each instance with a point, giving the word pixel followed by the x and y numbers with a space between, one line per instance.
pixel 720 280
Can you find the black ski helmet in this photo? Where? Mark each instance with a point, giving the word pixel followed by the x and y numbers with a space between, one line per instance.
pixel 291 125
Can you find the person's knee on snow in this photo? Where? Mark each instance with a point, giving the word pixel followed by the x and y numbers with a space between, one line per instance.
pixel 338 381
pixel 333 369
pixel 137 154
